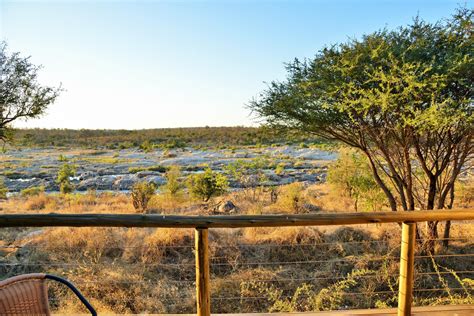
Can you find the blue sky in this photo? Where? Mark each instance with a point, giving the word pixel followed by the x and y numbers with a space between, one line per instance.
pixel 153 64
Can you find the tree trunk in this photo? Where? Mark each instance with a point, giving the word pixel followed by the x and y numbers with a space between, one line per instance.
pixel 431 236
pixel 431 193
pixel 447 226
pixel 447 229
pixel 381 184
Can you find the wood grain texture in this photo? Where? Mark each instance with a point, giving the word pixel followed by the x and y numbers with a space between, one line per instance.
pixel 407 269
pixel 203 292
pixel 223 221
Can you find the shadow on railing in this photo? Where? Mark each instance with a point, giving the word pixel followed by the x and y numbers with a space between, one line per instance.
pixel 305 271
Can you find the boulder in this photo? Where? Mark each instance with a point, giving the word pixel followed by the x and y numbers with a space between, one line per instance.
pixel 310 208
pixel 125 182
pixel 227 207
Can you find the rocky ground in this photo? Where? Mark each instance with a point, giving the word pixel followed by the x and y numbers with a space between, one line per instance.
pixel 120 169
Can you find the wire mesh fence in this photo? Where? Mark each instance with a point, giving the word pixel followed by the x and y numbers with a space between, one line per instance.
pixel 153 270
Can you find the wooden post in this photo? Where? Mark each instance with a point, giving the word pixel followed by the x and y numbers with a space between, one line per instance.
pixel 203 294
pixel 407 262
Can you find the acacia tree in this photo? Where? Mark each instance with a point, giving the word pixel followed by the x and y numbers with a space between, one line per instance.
pixel 404 98
pixel 21 95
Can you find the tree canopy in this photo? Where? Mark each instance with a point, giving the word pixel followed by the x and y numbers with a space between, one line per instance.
pixel 21 94
pixel 402 97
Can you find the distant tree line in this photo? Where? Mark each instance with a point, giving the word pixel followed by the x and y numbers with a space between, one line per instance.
pixel 166 138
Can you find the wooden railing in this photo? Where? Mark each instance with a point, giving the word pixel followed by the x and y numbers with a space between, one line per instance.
pixel 201 224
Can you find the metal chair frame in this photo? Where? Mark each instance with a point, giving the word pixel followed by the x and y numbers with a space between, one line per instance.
pixel 24 290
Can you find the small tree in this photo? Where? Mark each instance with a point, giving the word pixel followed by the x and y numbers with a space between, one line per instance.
pixel 249 174
pixel 142 192
pixel 351 176
pixel 64 178
pixel 292 197
pixel 173 184
pixel 21 95
pixel 207 184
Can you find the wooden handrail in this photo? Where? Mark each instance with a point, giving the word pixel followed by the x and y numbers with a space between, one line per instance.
pixel 228 221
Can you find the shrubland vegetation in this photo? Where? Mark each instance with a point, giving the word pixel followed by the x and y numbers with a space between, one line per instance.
pixel 164 138
pixel 351 176
pixel 64 178
pixel 207 184
pixel 3 190
pixel 152 270
pixel 141 194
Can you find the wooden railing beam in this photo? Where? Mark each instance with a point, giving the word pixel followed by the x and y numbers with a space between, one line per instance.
pixel 227 221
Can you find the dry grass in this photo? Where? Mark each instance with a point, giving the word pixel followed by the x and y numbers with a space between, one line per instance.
pixel 140 270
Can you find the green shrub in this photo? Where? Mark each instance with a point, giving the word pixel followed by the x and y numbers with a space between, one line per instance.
pixel 250 175
pixel 157 168
pixel 146 146
pixel 32 191
pixel 142 192
pixel 173 144
pixel 292 197
pixel 280 168
pixel 173 184
pixel 3 190
pixel 125 145
pixel 62 158
pixel 207 184
pixel 351 176
pixel 64 178
pixel 136 169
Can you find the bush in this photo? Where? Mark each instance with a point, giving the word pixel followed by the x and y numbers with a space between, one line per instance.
pixel 146 146
pixel 38 202
pixel 250 175
pixel 292 197
pixel 280 168
pixel 173 184
pixel 32 191
pixel 142 192
pixel 3 190
pixel 64 178
pixel 207 184
pixel 63 158
pixel 157 168
pixel 350 176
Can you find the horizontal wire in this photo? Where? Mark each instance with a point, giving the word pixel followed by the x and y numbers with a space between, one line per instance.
pixel 237 245
pixel 336 260
pixel 238 263
pixel 446 256
pixel 79 247
pixel 368 276
pixel 134 282
pixel 177 265
pixel 156 281
pixel 288 296
pixel 343 294
pixel 192 297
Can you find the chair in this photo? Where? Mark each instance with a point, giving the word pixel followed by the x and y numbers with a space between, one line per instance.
pixel 27 294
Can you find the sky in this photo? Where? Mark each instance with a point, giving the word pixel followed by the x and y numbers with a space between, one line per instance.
pixel 157 64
